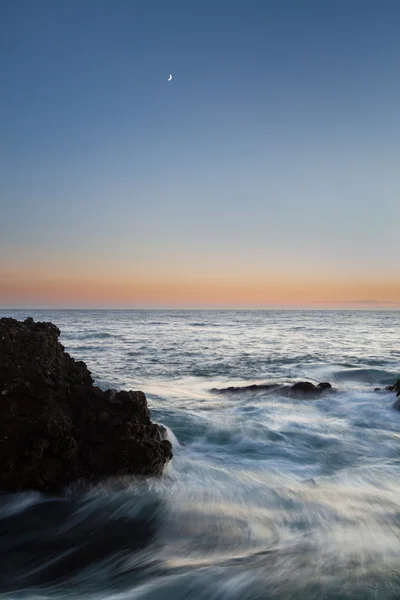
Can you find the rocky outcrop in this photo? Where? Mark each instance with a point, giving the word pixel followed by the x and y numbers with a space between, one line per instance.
pixel 302 389
pixel 56 427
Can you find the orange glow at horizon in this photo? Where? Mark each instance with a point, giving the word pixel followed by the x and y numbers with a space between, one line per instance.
pixel 201 292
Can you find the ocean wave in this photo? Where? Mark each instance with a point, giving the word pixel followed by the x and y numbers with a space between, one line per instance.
pixel 92 335
pixel 266 496
pixel 368 376
pixel 84 348
pixel 203 324
pixel 59 540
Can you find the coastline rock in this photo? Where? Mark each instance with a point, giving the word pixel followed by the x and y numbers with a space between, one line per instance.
pixel 56 427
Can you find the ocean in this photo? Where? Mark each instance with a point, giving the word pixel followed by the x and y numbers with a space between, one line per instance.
pixel 267 497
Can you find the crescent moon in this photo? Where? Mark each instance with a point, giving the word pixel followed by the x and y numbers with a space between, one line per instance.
pixel 170 77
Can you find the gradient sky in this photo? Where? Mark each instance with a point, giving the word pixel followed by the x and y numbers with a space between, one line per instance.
pixel 267 173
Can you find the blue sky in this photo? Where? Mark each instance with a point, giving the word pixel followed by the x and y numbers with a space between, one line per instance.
pixel 274 150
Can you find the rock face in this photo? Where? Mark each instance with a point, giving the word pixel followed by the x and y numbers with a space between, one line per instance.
pixel 56 427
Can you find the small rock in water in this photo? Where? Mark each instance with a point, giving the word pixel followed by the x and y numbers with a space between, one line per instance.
pixel 325 385
pixel 254 387
pixel 304 388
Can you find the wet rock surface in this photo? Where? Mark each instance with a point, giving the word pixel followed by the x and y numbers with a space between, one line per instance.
pixel 56 427
pixel 262 387
pixel 299 389
pixel 307 388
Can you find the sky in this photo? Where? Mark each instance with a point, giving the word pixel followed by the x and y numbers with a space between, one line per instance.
pixel 266 174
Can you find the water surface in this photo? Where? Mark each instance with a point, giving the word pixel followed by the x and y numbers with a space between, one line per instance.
pixel 266 497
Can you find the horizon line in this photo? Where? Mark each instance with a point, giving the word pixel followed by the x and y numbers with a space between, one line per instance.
pixel 204 309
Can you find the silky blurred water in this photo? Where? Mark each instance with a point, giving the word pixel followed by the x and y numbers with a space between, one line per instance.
pixel 266 497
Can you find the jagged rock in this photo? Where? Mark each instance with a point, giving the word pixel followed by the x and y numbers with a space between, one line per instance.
pixel 56 427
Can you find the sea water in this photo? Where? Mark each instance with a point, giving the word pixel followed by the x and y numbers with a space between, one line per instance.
pixel 266 497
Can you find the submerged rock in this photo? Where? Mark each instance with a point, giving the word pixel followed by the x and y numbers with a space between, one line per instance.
pixel 325 385
pixel 300 389
pixel 306 388
pixel 393 388
pixel 56 427
pixel 254 387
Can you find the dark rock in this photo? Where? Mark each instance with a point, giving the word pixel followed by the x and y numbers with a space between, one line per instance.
pixel 394 388
pixel 378 389
pixel 306 388
pixel 264 387
pixel 325 385
pixel 56 427
pixel 301 389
